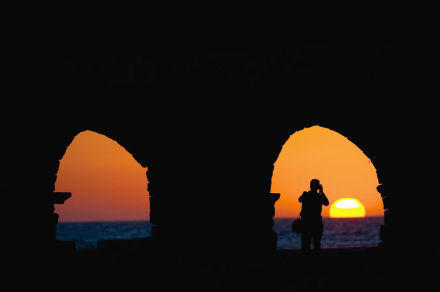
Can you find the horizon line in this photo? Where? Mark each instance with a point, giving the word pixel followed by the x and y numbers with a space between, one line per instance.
pixel 144 220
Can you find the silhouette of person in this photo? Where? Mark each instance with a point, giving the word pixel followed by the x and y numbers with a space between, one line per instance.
pixel 311 218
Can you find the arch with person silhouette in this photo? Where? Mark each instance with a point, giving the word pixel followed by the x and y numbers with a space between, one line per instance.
pixel 210 124
pixel 344 169
pixel 161 205
pixel 207 158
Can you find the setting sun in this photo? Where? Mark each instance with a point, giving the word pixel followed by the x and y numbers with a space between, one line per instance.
pixel 347 208
pixel 340 166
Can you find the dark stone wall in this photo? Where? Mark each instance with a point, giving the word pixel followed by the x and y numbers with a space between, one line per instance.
pixel 210 124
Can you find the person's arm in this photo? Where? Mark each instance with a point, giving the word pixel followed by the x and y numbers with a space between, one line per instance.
pixel 324 199
pixel 301 198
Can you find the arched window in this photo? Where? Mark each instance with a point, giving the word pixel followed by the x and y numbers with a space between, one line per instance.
pixel 349 180
pixel 109 192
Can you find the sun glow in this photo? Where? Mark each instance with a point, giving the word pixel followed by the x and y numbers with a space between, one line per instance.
pixel 340 166
pixel 347 208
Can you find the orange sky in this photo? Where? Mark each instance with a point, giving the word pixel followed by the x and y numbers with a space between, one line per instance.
pixel 342 168
pixel 106 182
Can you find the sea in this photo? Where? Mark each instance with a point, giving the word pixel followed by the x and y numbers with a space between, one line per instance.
pixel 338 232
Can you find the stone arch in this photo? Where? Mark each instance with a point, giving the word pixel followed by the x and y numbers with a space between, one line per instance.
pixel 360 141
pixel 120 164
pixel 60 145
pixel 348 141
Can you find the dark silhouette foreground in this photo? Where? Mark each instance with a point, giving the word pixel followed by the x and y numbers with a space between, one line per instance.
pixel 312 227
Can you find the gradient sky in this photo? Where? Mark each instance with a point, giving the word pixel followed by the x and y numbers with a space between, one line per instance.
pixel 342 168
pixel 108 184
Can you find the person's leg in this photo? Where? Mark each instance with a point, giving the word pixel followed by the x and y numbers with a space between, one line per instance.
pixel 305 241
pixel 317 242
pixel 317 235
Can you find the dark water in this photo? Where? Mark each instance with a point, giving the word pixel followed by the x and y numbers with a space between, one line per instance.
pixel 353 232
pixel 87 234
pixel 346 232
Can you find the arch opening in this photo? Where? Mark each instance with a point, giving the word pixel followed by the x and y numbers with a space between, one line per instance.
pixel 345 173
pixel 109 199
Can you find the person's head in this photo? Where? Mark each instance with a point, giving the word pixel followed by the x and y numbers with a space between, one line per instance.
pixel 314 185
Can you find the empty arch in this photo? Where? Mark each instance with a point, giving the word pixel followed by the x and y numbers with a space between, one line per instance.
pixel 106 182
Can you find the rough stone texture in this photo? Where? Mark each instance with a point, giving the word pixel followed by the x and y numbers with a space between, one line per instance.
pixel 210 125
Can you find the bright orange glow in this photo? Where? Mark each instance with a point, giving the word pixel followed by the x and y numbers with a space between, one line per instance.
pixel 342 168
pixel 106 182
pixel 347 208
